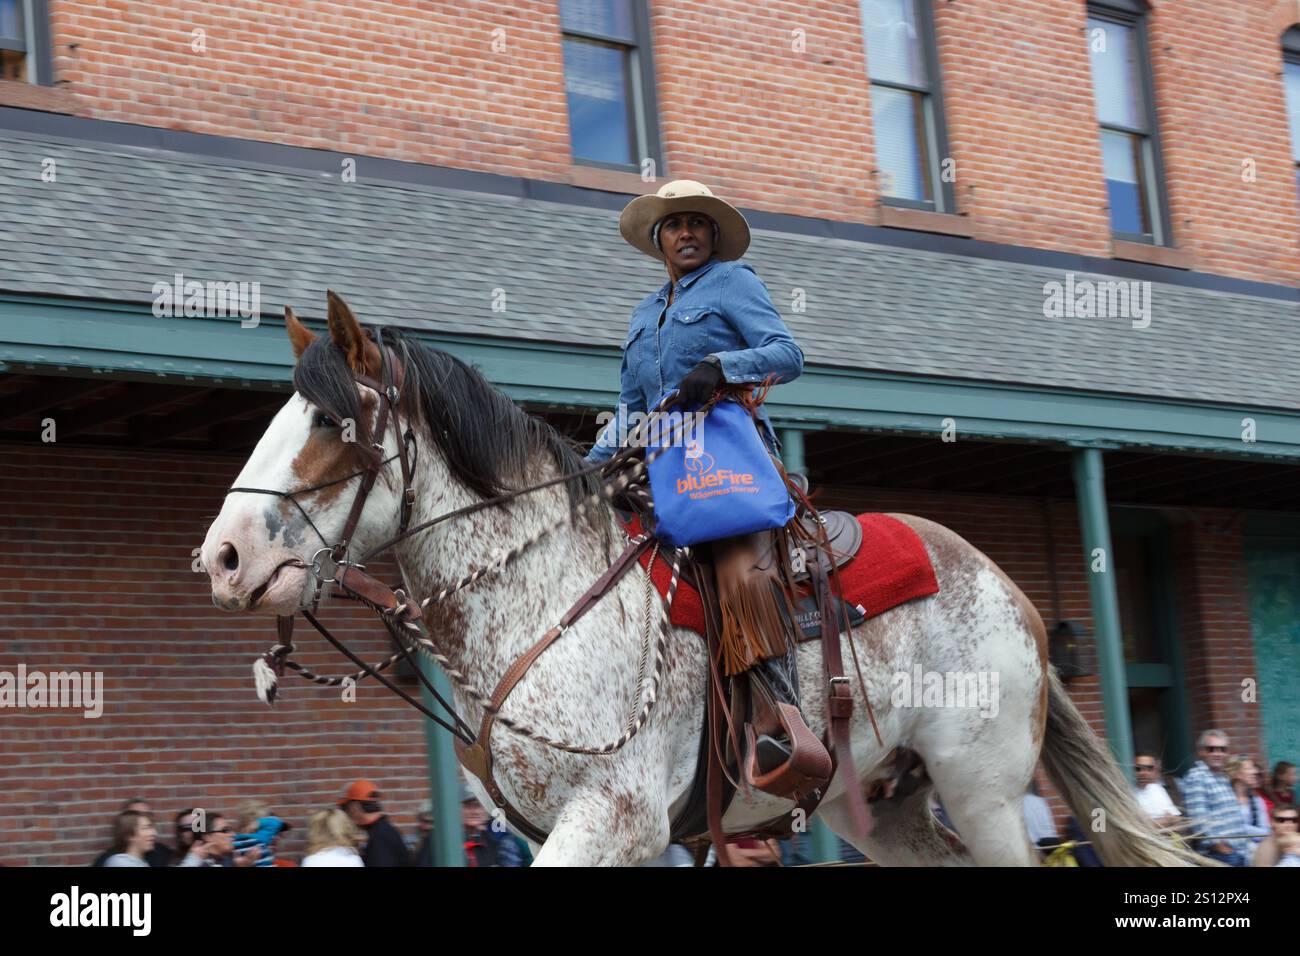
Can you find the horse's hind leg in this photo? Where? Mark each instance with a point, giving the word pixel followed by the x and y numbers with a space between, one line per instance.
pixel 995 831
pixel 984 798
pixel 905 833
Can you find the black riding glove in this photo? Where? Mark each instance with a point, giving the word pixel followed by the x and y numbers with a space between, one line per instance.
pixel 700 383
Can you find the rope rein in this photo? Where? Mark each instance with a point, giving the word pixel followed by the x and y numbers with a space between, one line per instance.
pixel 645 637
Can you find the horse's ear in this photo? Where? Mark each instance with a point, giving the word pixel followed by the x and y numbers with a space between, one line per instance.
pixel 361 353
pixel 299 335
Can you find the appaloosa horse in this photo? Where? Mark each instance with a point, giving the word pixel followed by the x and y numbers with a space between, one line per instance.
pixel 473 443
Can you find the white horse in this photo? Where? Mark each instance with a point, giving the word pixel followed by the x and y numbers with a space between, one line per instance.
pixel 473 443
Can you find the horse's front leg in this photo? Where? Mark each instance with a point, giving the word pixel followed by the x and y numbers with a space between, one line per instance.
pixel 606 826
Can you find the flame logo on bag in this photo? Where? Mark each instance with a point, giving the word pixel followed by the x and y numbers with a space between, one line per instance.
pixel 697 460
pixel 701 474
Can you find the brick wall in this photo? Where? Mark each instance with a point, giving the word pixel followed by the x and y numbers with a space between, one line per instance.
pixel 95 552
pixel 1220 102
pixel 770 126
pixel 1018 97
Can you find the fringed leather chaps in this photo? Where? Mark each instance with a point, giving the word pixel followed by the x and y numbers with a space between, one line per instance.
pixel 750 585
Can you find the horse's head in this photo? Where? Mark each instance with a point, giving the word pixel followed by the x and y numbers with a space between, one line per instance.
pixel 470 442
pixel 259 550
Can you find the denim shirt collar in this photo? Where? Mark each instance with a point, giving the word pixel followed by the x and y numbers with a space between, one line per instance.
pixel 687 280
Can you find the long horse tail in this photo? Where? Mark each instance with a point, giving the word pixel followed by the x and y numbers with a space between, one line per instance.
pixel 1086 775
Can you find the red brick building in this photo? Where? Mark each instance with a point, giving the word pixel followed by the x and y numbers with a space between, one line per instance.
pixel 919 174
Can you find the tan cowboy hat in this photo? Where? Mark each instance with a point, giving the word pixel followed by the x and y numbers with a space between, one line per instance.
pixel 684 195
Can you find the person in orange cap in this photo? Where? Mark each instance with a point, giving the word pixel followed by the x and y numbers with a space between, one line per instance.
pixel 384 843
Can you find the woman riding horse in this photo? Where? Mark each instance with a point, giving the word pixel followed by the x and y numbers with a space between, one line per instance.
pixel 713 323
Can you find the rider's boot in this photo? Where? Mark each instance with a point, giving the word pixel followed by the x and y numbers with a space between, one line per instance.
pixel 783 756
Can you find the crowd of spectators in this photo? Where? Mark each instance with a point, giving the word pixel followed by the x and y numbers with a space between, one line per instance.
pixel 1222 808
pixel 354 832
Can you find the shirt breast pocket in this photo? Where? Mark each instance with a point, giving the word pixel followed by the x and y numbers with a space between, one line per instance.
pixel 632 346
pixel 694 333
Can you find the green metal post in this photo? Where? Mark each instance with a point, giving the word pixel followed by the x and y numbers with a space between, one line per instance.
pixel 825 846
pixel 1090 489
pixel 444 775
pixel 792 450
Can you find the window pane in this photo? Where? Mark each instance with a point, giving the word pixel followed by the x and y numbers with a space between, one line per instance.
pixel 1121 159
pixel 595 80
pixel 1138 589
pixel 893 44
pixel 1292 73
pixel 612 18
pixel 1115 84
pixel 1146 715
pixel 11 19
pixel 13 65
pixel 900 144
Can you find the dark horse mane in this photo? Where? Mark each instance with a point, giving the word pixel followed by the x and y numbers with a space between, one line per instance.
pixel 485 438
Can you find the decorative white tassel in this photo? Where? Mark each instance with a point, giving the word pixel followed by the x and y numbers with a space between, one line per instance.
pixel 265 680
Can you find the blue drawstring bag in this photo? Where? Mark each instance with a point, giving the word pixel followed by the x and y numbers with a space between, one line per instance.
pixel 713 480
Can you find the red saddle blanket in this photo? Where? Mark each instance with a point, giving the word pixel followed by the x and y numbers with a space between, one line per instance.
pixel 891 568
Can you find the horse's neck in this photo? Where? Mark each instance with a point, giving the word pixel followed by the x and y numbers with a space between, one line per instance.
pixel 489 624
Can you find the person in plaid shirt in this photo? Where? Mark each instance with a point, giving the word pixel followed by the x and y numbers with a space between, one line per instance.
pixel 1211 803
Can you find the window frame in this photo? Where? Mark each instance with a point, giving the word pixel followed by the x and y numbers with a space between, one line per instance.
pixel 1291 54
pixel 34 44
pixel 1133 14
pixel 639 75
pixel 934 127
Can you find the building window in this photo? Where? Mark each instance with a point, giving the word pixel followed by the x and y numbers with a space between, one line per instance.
pixel 1130 149
pixel 609 83
pixel 1291 75
pixel 13 40
pixel 24 41
pixel 906 106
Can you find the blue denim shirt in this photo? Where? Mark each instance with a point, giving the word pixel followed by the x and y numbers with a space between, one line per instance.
pixel 722 309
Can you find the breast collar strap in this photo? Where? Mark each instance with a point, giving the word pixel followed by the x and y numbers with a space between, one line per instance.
pixel 331 558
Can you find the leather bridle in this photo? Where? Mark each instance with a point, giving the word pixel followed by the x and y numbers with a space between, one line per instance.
pixel 329 560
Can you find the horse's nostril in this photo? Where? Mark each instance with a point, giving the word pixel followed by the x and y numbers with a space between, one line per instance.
pixel 228 557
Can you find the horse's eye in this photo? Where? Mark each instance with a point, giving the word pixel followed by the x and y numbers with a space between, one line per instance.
pixel 324 421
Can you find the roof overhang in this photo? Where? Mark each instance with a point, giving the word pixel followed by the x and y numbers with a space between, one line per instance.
pixel 88 338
